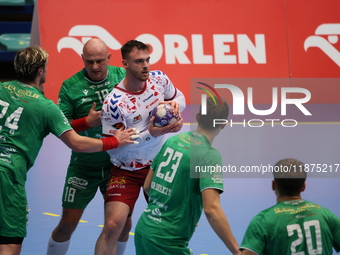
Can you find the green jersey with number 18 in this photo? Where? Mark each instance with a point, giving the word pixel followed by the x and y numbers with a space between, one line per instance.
pixel 26 118
pixel 293 227
pixel 76 97
pixel 175 200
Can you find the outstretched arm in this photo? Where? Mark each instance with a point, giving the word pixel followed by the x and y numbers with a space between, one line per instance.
pixel 218 220
pixel 247 252
pixel 85 144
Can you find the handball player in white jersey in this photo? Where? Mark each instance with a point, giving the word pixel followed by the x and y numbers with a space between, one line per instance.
pixel 129 105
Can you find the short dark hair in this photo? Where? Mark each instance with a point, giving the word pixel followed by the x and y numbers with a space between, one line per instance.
pixel 290 176
pixel 131 45
pixel 215 110
pixel 27 62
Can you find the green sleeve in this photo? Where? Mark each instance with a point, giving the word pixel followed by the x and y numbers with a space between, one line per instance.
pixel 254 238
pixel 212 178
pixel 64 102
pixel 57 122
pixel 335 229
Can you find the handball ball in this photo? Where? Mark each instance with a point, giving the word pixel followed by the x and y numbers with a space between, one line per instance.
pixel 163 116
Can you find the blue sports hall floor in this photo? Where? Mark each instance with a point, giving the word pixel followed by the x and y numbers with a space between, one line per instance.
pixel 243 198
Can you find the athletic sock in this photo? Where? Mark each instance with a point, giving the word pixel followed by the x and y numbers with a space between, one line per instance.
pixel 57 248
pixel 121 246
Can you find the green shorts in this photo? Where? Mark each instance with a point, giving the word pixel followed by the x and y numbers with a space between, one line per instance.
pixel 146 247
pixel 82 183
pixel 13 207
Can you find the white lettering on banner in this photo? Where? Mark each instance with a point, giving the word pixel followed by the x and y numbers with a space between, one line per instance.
pixel 176 46
pixel 87 32
pixel 333 32
pixel 238 100
pixel 255 122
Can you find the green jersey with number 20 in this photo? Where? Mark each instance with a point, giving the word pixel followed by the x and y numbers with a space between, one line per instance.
pixel 175 200
pixel 296 227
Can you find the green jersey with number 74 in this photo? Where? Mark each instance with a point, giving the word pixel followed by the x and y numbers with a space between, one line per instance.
pixel 26 118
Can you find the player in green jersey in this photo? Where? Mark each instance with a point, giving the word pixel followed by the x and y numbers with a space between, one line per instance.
pixel 176 199
pixel 293 225
pixel 81 98
pixel 26 118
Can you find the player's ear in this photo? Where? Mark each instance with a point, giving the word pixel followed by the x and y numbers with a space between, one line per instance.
pixel 273 185
pixel 303 187
pixel 40 70
pixel 124 62
pixel 197 117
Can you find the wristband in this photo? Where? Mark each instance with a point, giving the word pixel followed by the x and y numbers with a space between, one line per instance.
pixel 80 124
pixel 146 136
pixel 109 143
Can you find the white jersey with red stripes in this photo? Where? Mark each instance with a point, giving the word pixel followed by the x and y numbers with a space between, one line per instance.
pixel 132 110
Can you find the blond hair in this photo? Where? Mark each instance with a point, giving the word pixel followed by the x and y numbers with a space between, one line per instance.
pixel 28 61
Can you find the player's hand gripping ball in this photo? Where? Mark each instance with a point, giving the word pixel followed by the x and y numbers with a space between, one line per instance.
pixel 163 116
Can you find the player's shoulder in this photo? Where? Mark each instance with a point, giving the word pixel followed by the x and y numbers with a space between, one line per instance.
pixel 263 217
pixel 117 91
pixel 116 69
pixel 7 83
pixel 114 96
pixel 75 79
pixel 180 142
pixel 45 100
pixel 116 74
pixel 158 78
pixel 183 137
pixel 315 206
pixel 45 104
pixel 156 73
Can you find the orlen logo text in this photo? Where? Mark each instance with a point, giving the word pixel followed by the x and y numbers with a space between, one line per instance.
pixel 239 103
pixel 176 45
pixel 332 31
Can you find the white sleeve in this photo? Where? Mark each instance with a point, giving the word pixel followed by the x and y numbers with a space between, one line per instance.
pixel 174 94
pixel 180 99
